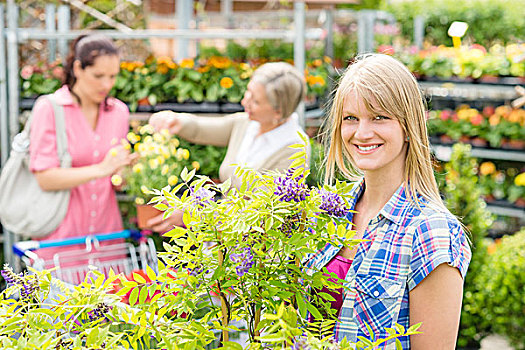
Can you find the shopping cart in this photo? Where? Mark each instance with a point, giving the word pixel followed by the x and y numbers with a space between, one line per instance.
pixel 73 265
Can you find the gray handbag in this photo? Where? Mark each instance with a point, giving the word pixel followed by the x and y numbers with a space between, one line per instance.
pixel 24 207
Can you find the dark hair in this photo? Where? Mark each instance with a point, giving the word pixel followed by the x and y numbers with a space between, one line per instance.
pixel 85 49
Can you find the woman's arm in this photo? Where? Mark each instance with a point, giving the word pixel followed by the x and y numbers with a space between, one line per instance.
pixel 55 179
pixel 214 131
pixel 436 302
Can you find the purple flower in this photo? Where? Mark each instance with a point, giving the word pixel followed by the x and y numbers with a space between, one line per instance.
pixel 290 189
pixel 301 344
pixel 27 285
pixel 99 311
pixel 203 196
pixel 244 261
pixel 333 204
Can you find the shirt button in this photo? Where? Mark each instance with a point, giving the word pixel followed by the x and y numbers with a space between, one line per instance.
pixel 91 228
pixel 94 197
pixel 97 137
pixel 96 153
pixel 376 293
pixel 93 213
pixel 93 181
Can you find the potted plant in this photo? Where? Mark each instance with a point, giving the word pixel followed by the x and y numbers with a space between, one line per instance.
pixel 159 165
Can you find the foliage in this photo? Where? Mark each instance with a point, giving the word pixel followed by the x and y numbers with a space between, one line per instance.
pixel 161 160
pixel 237 259
pixel 489 21
pixel 463 199
pixel 40 79
pixel 501 282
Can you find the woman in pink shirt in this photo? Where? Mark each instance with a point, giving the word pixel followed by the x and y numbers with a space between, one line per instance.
pixel 95 123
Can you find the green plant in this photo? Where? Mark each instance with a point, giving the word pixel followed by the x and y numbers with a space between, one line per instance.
pixel 501 282
pixel 237 259
pixel 40 79
pixel 489 21
pixel 463 199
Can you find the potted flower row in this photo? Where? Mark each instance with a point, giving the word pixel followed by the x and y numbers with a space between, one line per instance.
pixel 500 184
pixel 466 63
pixel 160 79
pixel 501 127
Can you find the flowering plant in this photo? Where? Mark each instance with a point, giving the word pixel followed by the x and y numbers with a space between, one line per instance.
pixel 40 79
pixel 160 163
pixel 237 263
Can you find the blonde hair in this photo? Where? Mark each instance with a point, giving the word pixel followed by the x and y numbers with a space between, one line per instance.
pixel 284 85
pixel 386 87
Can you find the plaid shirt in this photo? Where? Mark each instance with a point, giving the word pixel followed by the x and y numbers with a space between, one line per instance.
pixel 404 245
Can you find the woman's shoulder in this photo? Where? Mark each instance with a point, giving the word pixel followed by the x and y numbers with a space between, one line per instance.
pixel 117 105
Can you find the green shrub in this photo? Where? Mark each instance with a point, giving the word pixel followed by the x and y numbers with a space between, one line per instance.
pixel 463 199
pixel 489 21
pixel 502 282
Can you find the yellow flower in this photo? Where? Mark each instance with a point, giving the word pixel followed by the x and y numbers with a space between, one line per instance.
pixel 187 63
pixel 146 129
pixel 226 82
pixel 175 142
pixel 153 164
pixel 487 168
pixel 116 180
pixel 137 168
pixel 165 133
pixel 520 180
pixel 160 160
pixel 165 169
pixel 157 137
pixel 185 154
pixel 139 201
pixel 172 180
pixel 219 62
pixel 195 165
pixel 125 144
pixel 144 71
pixel 144 189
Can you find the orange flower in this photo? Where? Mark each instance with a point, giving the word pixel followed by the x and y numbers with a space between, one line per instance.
pixel 203 69
pixel 187 63
pixel 487 168
pixel 226 82
pixel 219 62
pixel 494 119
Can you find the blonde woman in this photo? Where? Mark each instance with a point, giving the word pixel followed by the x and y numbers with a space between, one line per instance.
pixel 258 138
pixel 414 257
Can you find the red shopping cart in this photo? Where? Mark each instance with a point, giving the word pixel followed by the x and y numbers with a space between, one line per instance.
pixel 72 265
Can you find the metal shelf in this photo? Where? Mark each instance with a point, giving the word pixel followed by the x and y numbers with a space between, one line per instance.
pixel 444 152
pixel 506 211
pixel 468 92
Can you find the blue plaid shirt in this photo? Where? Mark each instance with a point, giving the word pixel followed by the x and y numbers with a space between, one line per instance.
pixel 404 244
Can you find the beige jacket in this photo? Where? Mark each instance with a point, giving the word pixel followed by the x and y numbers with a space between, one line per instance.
pixel 229 131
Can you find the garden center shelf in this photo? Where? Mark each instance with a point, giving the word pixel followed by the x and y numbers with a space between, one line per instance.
pixel 504 208
pixel 468 91
pixel 443 153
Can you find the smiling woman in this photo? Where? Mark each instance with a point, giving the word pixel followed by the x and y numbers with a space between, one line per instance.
pixel 94 123
pixel 410 266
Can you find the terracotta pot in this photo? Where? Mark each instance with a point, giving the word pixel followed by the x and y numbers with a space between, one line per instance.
pixel 144 213
pixel 445 139
pixel 513 144
pixel 479 142
pixel 520 203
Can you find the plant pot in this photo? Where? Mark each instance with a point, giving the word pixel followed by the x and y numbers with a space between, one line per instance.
pixel 479 142
pixel 513 144
pixel 144 213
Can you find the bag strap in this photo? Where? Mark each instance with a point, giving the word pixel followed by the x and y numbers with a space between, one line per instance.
pixel 60 130
pixel 61 135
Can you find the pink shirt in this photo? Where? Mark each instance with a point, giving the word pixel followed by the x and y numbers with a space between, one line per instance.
pixel 93 206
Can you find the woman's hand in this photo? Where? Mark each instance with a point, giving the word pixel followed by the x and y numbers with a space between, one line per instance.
pixel 158 224
pixel 166 120
pixel 116 158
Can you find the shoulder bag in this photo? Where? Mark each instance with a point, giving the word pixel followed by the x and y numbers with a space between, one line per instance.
pixel 24 207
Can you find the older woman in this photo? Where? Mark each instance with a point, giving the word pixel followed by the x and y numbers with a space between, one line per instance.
pixel 258 138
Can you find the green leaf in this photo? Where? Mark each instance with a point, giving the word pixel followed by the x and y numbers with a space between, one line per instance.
pixel 300 304
pixel 133 296
pixel 143 295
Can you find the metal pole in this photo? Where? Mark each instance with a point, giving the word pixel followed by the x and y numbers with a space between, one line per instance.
pixel 226 11
pixel 419 31
pixel 329 25
pixel 299 49
pixel 365 31
pixel 50 28
pixel 64 16
pixel 4 121
pixel 13 89
pixel 184 13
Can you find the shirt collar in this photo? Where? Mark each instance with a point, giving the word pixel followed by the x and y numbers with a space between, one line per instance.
pixel 394 210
